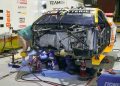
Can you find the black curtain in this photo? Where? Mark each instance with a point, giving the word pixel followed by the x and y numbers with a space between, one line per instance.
pixel 117 11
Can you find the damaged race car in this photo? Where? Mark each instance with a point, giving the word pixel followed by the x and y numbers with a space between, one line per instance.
pixel 77 34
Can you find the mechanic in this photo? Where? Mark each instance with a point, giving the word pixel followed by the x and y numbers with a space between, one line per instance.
pixel 25 36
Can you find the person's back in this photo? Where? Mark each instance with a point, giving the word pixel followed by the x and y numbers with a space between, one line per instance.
pixel 26 33
pixel 25 36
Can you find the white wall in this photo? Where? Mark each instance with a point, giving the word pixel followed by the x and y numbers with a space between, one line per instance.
pixel 6 7
pixel 21 14
pixel 72 3
pixel 25 13
pixel 33 11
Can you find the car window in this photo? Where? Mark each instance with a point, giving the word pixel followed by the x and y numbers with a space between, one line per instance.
pixel 78 18
pixel 49 19
pixel 101 18
pixel 102 21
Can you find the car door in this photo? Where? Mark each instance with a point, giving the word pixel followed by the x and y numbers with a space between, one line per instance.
pixel 105 29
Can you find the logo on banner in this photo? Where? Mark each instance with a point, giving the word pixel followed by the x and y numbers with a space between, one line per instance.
pixel 22 26
pixel 111 84
pixel 8 18
pixel 56 2
pixel 22 20
pixel 22 1
pixel 22 23
pixel 22 7
pixel 22 13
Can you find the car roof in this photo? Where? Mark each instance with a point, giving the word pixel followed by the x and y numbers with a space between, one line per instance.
pixel 93 11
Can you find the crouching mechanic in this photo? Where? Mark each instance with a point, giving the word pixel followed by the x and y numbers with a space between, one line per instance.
pixel 25 36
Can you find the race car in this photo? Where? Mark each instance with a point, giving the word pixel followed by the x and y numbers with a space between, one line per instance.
pixel 81 33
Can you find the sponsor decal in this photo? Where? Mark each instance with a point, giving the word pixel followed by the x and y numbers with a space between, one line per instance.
pixel 22 20
pixel 111 84
pixel 22 13
pixel 22 1
pixel 56 2
pixel 8 18
pixel 22 26
pixel 22 7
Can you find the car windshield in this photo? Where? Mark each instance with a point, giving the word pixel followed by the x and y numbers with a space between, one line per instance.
pixel 66 19
pixel 78 18
pixel 49 19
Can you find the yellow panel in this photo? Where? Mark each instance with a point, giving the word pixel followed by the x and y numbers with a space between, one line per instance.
pixel 118 23
pixel 108 48
pixel 15 43
pixel 101 57
pixel 23 54
pixel 96 15
pixel 96 61
pixel 118 30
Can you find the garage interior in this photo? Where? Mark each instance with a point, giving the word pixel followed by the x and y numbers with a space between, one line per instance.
pixel 63 31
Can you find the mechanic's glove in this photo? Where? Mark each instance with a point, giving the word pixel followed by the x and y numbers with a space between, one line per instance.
pixel 23 54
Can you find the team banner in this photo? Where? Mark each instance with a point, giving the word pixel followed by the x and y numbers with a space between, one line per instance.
pixel 109 80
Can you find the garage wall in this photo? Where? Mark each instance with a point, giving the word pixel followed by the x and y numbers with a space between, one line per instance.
pixel 108 6
pixel 51 4
pixel 24 13
pixel 5 15
pixel 21 13
pixel 17 13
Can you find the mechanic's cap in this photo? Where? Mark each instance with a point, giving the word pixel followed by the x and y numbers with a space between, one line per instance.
pixel 23 54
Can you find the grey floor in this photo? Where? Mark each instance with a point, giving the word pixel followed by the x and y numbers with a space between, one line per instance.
pixel 10 80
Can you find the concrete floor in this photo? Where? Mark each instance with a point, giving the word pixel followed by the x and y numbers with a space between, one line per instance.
pixel 10 80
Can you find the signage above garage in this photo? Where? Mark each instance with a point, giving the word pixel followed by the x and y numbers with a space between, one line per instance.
pixel 53 4
pixel 56 2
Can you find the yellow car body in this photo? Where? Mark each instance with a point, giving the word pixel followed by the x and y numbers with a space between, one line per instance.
pixel 110 46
